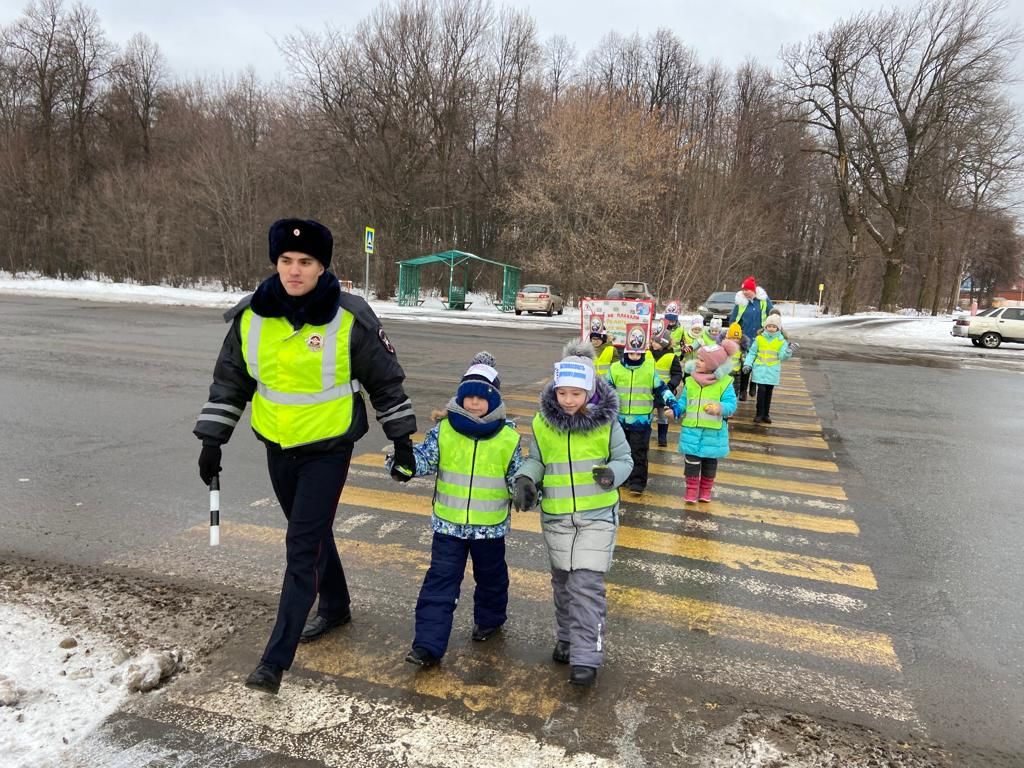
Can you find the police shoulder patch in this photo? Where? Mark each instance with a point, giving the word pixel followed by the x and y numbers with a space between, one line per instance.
pixel 385 341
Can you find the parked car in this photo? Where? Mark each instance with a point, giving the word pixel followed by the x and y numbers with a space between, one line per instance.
pixel 1002 324
pixel 539 298
pixel 634 289
pixel 718 304
pixel 962 321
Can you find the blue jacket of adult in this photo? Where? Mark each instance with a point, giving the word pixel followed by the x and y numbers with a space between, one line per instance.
pixel 750 312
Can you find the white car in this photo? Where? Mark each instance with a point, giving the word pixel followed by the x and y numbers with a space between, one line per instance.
pixel 962 321
pixel 993 328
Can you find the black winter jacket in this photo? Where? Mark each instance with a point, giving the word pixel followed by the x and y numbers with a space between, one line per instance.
pixel 374 364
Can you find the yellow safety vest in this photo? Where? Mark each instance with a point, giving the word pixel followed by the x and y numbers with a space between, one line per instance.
pixel 604 361
pixel 697 397
pixel 635 387
pixel 471 488
pixel 704 339
pixel 663 365
pixel 304 384
pixel 768 350
pixel 569 460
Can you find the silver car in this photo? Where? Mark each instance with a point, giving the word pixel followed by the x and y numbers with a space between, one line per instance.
pixel 538 297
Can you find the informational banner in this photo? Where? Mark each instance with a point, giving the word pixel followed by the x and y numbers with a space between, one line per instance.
pixel 627 322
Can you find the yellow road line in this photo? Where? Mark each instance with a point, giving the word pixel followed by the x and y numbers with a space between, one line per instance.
pixel 795 635
pixel 771 459
pixel 798 426
pixel 820 465
pixel 824 490
pixel 738 556
pixel 521 689
pixel 760 515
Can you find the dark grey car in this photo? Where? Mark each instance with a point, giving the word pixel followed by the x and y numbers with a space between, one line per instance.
pixel 718 304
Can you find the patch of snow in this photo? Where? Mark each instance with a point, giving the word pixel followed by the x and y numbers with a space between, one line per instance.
pixel 52 696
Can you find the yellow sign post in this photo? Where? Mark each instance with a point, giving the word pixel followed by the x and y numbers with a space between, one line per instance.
pixel 821 290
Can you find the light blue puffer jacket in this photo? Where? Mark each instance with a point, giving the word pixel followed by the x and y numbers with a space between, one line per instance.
pixel 767 374
pixel 709 443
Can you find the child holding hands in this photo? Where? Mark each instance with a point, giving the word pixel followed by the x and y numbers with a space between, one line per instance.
pixel 764 364
pixel 474 451
pixel 710 400
pixel 578 456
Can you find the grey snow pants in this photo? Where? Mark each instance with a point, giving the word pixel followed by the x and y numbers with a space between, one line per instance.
pixel 581 610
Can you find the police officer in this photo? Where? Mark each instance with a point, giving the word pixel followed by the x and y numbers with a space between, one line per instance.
pixel 305 352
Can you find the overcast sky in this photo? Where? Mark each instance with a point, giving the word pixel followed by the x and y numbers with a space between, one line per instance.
pixel 201 37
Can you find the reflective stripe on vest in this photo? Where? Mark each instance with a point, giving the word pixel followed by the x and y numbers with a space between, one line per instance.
pixel 697 397
pixel 604 361
pixel 569 459
pixel 768 350
pixel 663 365
pixel 304 385
pixel 635 387
pixel 471 488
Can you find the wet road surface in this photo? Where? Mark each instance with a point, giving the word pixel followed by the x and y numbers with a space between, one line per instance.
pixel 853 567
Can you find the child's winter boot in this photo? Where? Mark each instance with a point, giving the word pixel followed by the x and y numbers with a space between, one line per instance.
pixel 692 486
pixel 663 435
pixel 706 484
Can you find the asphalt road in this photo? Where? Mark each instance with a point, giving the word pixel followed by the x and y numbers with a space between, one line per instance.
pixel 868 581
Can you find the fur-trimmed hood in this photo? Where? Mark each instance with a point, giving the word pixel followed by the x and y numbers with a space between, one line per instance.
pixel 603 408
pixel 759 293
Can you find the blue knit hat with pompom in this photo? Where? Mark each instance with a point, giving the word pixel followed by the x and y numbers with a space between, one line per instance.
pixel 481 380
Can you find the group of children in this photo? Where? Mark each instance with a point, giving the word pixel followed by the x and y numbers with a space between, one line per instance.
pixel 590 436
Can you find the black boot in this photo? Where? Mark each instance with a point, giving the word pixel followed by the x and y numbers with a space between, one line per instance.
pixel 266 678
pixel 480 634
pixel 421 657
pixel 561 652
pixel 321 625
pixel 663 435
pixel 585 676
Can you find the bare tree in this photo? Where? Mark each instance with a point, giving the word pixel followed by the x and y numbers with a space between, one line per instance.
pixel 140 73
pixel 885 90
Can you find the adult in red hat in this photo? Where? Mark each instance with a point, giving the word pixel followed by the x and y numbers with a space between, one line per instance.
pixel 752 307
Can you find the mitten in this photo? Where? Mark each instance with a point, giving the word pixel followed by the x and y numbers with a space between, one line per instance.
pixel 604 476
pixel 403 465
pixel 524 493
pixel 209 463
pixel 678 409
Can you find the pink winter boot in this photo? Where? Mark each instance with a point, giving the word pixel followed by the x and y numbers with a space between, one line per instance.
pixel 706 484
pixel 692 484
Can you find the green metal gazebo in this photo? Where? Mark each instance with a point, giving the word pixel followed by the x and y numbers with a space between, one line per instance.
pixel 409 279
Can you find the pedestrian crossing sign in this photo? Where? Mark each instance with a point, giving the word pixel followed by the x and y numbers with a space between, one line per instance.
pixel 368 240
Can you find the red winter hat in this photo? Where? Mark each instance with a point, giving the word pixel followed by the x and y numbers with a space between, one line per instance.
pixel 750 284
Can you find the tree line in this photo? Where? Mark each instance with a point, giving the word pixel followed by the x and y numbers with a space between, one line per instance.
pixel 879 157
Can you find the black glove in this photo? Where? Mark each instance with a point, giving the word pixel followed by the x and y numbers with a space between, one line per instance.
pixel 746 369
pixel 209 463
pixel 524 495
pixel 403 465
pixel 604 476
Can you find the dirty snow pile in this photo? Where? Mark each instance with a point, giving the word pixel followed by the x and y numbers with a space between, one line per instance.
pixel 58 684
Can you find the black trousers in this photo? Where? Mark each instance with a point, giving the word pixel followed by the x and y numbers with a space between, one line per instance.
pixel 308 488
pixel 764 399
pixel 698 466
pixel 742 382
pixel 639 439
